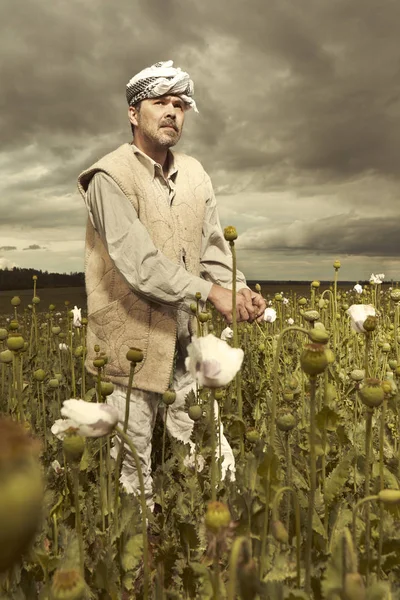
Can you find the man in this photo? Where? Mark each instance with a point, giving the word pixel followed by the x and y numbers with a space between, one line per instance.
pixel 153 242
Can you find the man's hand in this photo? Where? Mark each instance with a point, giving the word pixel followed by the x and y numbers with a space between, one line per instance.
pixel 251 307
pixel 259 304
pixel 221 298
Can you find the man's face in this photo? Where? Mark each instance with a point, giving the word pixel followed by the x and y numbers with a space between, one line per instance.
pixel 159 121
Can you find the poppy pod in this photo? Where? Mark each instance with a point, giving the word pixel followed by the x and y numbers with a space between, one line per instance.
pixel 217 516
pixel 313 359
pixel 68 584
pixel 21 497
pixel 372 393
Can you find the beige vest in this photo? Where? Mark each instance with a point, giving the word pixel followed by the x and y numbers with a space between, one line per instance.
pixel 118 318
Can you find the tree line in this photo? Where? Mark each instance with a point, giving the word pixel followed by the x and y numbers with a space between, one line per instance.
pixel 22 279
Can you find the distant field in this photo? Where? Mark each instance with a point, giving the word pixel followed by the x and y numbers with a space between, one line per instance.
pixel 77 295
pixel 57 296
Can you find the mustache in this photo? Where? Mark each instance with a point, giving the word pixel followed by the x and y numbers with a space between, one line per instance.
pixel 169 124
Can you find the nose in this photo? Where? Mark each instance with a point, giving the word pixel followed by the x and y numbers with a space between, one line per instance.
pixel 171 111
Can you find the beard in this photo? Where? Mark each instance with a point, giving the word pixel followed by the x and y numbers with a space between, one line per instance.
pixel 160 135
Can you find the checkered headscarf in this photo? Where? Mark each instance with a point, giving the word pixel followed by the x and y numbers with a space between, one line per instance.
pixel 158 80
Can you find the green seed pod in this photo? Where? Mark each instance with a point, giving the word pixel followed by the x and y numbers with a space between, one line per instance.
pixel 15 301
pixel 52 307
pixel 198 295
pixel 293 383
pixel 195 412
pixel 354 588
pixel 98 363
pixel 193 307
pixel 58 376
pixel 218 394
pixel 96 348
pixel 393 364
pixel 288 395
pixel 14 325
pixel 315 284
pixel 106 388
pixel 311 315
pixel 217 517
pixel 74 447
pixel 62 335
pixel 279 532
pixel 22 492
pixel 331 392
pixel 54 383
pixel 330 357
pixel 257 287
pixel 15 343
pixel 313 359
pixel 389 496
pixel 35 300
pixel 278 297
pixel 84 321
pixel 370 323
pixel 357 375
pixel 252 435
pixel 371 393
pixel 321 303
pixel 204 317
pixel 387 387
pixel 385 347
pixel 319 336
pixel 336 264
pixel 6 357
pixel 56 330
pixel 285 421
pixel 68 585
pixel 134 355
pixel 302 301
pixel 3 334
pixel 230 233
pixel 78 351
pixel 39 375
pixel 261 347
pixel 169 397
pixel 395 295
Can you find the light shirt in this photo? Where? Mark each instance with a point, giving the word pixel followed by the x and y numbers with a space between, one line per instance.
pixel 146 269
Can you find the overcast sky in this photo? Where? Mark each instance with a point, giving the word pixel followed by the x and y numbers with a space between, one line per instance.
pixel 298 126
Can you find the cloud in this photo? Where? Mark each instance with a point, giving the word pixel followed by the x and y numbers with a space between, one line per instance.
pixel 344 234
pixel 35 247
pixel 6 264
pixel 7 248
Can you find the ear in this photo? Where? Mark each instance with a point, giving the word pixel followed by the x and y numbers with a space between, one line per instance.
pixel 132 114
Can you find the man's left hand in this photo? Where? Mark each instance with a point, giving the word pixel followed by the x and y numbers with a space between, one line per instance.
pixel 260 304
pixel 257 301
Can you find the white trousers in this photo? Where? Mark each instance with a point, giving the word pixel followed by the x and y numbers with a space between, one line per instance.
pixel 142 417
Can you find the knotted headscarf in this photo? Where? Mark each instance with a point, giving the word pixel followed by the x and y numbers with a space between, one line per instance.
pixel 161 79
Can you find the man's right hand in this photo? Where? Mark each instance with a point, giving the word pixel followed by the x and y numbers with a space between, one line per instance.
pixel 221 298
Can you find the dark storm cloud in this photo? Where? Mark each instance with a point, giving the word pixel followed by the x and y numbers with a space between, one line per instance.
pixel 7 248
pixel 341 234
pixel 298 98
pixel 35 247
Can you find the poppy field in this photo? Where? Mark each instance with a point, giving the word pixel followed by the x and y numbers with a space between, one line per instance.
pixel 309 402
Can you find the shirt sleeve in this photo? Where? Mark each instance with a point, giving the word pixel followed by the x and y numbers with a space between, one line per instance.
pixel 216 255
pixel 147 270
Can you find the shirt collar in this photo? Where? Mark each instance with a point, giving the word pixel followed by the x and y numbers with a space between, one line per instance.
pixel 154 167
